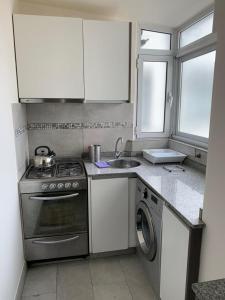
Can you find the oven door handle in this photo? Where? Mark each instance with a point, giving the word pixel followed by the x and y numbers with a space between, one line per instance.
pixel 56 241
pixel 40 198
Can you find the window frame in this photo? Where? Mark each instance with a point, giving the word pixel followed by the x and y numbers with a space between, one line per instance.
pixel 200 47
pixel 194 21
pixel 155 55
pixel 176 55
pixel 159 29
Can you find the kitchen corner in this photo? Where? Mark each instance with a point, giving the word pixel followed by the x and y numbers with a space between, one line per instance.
pixel 183 192
pixel 113 157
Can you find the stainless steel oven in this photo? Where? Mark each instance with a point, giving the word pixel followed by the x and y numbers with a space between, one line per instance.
pixel 55 224
pixel 55 217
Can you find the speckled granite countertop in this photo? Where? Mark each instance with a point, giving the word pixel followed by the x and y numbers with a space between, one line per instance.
pixel 210 290
pixel 182 191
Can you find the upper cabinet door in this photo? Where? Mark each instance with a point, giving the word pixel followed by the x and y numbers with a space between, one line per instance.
pixel 106 60
pixel 49 54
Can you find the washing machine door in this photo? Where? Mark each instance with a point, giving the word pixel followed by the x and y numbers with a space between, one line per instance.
pixel 145 231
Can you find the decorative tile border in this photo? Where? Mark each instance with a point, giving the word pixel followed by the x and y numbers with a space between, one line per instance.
pixel 21 130
pixel 78 125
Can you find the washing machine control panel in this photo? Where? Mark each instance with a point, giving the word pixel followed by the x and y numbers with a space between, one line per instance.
pixel 145 193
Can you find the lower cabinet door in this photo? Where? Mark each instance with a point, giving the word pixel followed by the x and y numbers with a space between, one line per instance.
pixel 109 214
pixel 175 241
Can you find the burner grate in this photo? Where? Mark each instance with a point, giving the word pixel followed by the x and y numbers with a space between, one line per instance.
pixel 69 169
pixel 36 173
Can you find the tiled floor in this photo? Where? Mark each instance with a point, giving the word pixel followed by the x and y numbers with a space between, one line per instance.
pixel 117 278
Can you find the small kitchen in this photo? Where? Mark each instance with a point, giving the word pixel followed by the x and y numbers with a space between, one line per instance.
pixel 115 132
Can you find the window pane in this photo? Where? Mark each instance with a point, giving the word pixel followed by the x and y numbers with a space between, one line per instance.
pixel 197 31
pixel 153 96
pixel 155 40
pixel 196 95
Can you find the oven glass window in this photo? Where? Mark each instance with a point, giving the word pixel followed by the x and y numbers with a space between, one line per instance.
pixel 54 214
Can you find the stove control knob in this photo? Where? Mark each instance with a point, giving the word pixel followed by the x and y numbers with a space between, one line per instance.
pixel 52 186
pixel 60 186
pixel 75 185
pixel 44 186
pixel 68 185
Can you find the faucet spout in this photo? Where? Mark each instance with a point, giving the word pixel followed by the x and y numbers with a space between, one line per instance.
pixel 118 153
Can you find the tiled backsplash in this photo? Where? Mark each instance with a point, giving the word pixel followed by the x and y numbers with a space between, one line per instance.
pixel 78 125
pixel 21 137
pixel 70 128
pixel 194 154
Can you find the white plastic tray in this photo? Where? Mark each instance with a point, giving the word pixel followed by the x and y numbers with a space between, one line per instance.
pixel 163 156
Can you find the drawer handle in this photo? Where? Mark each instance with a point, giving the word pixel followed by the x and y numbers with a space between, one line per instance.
pixel 54 197
pixel 57 241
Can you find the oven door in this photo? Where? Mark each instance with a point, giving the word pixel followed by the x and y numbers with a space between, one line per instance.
pixel 51 214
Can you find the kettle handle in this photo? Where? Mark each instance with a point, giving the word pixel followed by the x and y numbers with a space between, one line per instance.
pixel 39 147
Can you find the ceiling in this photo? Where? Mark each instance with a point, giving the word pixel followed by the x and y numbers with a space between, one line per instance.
pixel 164 12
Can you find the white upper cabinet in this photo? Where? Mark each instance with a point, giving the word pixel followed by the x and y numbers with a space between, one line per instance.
pixel 106 60
pixel 49 53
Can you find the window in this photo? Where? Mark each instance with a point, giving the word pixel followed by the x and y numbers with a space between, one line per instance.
pixel 196 95
pixel 195 78
pixel 154 83
pixel 155 40
pixel 197 30
pixel 153 96
pixel 191 82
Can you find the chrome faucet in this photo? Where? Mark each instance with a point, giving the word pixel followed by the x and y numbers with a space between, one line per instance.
pixel 118 153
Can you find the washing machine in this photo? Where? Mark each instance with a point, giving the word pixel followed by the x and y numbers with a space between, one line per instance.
pixel 148 229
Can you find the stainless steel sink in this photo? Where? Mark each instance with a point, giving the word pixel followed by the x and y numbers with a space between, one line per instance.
pixel 123 163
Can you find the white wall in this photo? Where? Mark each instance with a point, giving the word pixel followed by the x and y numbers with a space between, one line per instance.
pixel 213 247
pixel 170 13
pixel 11 250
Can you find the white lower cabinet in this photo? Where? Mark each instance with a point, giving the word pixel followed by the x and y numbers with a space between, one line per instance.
pixel 174 259
pixel 132 182
pixel 108 209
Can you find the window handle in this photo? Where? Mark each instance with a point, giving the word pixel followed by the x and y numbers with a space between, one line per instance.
pixel 170 99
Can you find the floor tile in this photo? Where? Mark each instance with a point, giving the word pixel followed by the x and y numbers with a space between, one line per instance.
pixel 40 280
pixel 136 278
pixel 133 270
pixel 112 292
pixel 76 292
pixel 106 271
pixel 143 292
pixel 74 281
pixel 74 272
pixel 40 297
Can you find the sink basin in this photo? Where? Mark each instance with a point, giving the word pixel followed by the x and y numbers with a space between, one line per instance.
pixel 123 163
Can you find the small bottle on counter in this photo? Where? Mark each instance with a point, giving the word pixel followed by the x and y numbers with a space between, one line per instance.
pixel 94 153
pixel 97 150
pixel 91 151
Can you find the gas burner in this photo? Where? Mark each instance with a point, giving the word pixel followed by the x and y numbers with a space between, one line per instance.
pixel 40 173
pixel 69 169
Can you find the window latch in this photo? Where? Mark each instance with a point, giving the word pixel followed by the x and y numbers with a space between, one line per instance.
pixel 170 99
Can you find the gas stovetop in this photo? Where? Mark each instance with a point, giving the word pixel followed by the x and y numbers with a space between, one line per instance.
pixel 60 169
pixel 65 175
